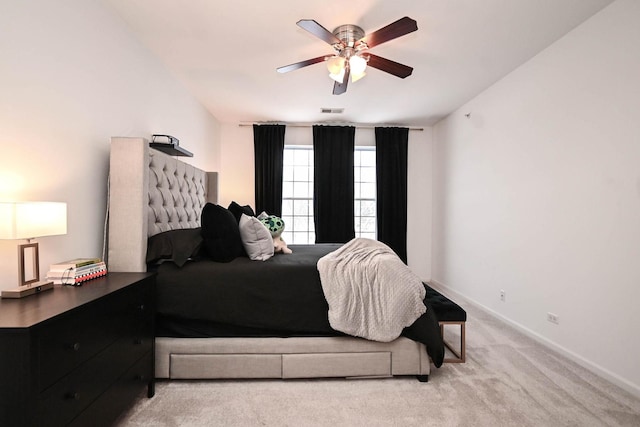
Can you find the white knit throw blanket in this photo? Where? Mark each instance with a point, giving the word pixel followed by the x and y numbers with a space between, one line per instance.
pixel 371 293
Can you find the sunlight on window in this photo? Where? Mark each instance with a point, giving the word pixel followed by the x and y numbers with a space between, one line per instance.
pixel 364 163
pixel 297 194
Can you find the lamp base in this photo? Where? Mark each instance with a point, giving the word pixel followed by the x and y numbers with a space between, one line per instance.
pixel 23 291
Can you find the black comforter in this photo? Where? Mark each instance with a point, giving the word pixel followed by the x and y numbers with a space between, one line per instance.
pixel 279 297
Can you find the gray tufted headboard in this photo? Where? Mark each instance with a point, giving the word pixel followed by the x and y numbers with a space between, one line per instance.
pixel 150 192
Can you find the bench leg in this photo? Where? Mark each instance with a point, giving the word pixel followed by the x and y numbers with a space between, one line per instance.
pixel 460 356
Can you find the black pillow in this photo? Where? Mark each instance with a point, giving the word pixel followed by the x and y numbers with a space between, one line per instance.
pixel 238 210
pixel 220 233
pixel 175 245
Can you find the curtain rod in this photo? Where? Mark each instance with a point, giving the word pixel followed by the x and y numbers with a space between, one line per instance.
pixel 308 125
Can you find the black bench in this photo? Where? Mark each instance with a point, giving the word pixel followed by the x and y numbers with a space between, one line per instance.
pixel 449 313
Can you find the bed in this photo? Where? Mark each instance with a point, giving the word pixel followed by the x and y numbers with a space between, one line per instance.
pixel 199 333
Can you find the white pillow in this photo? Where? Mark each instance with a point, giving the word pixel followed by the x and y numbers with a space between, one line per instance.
pixel 256 238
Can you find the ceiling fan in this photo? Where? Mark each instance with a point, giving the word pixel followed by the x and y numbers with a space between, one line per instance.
pixel 352 51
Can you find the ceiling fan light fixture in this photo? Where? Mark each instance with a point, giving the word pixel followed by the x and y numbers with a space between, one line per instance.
pixel 336 64
pixel 351 47
pixel 339 77
pixel 356 77
pixel 357 65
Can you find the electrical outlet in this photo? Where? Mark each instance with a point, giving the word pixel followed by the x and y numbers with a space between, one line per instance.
pixel 503 295
pixel 553 318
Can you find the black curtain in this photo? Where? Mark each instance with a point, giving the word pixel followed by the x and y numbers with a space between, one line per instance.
pixel 333 183
pixel 268 144
pixel 391 182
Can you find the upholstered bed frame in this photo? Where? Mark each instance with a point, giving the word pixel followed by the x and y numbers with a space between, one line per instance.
pixel 151 192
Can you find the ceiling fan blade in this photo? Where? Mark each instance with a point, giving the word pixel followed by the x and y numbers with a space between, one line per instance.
pixel 394 30
pixel 291 67
pixel 389 66
pixel 340 88
pixel 319 31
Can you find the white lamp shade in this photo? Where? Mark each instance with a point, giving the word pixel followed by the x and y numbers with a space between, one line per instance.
pixel 357 64
pixel 339 77
pixel 26 220
pixel 335 64
pixel 356 77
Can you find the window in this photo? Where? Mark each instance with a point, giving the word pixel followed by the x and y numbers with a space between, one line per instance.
pixel 364 164
pixel 297 194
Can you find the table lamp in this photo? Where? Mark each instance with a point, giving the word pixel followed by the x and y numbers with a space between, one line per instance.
pixel 28 220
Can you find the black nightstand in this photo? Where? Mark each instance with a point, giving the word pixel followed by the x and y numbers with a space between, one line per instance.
pixel 77 355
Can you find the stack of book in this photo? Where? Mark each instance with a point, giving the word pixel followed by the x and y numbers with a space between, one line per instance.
pixel 76 271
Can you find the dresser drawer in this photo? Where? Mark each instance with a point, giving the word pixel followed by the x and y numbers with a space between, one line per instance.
pixel 73 339
pixel 125 390
pixel 130 348
pixel 136 310
pixel 64 400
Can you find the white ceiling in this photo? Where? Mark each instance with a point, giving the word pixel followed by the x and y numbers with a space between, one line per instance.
pixel 226 53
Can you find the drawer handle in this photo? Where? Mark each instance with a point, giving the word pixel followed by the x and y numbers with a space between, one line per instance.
pixel 137 341
pixel 140 377
pixel 141 307
pixel 75 346
pixel 73 395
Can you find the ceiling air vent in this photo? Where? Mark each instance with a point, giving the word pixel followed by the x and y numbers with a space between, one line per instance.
pixel 332 110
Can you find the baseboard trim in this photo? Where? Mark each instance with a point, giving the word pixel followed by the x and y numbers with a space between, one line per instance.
pixel 580 360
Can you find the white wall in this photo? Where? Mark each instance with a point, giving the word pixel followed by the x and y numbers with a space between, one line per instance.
pixel 538 193
pixel 237 180
pixel 72 76
pixel 419 200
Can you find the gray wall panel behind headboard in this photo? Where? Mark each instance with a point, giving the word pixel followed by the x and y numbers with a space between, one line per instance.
pixel 150 192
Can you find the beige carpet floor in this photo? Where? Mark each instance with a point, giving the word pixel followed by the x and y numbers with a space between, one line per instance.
pixel 508 380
